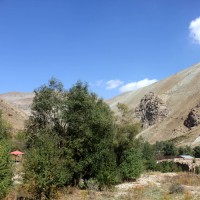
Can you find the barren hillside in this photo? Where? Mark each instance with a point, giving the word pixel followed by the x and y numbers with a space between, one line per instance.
pixel 181 93
pixel 12 115
pixel 20 100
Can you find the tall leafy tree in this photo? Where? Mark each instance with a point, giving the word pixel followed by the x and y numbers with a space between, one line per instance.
pixel 45 166
pixel 90 131
pixel 47 110
pixel 125 131
pixel 5 160
pixel 82 121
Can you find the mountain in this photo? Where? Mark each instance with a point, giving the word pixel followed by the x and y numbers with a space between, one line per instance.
pixel 15 107
pixel 181 95
pixel 15 117
pixel 20 100
pixel 169 109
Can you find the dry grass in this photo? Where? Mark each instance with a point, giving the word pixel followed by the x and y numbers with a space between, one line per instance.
pixel 188 196
pixel 191 183
pixel 188 179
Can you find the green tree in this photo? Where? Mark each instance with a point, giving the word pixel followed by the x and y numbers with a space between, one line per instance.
pixel 90 132
pixel 125 131
pixel 4 128
pixel 148 156
pixel 5 168
pixel 5 160
pixel 197 152
pixel 170 149
pixel 132 165
pixel 165 148
pixel 45 167
pixel 187 150
pixel 83 123
pixel 47 110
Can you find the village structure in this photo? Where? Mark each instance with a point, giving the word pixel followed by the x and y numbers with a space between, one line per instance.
pixel 187 162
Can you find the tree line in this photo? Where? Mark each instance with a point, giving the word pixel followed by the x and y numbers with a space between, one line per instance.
pixel 72 137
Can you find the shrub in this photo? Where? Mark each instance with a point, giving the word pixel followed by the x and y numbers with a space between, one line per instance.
pixel 131 166
pixel 176 188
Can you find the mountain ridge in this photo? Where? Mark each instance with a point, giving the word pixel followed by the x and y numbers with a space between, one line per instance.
pixel 180 92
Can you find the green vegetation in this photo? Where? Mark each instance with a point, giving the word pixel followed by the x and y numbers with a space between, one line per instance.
pixel 131 166
pixel 197 152
pixel 5 160
pixel 74 139
pixel 148 155
pixel 45 167
pixel 83 130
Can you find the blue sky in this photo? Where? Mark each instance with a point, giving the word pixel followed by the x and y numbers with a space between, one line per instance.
pixel 114 45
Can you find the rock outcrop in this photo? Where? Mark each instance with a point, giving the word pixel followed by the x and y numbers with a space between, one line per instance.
pixel 193 118
pixel 151 110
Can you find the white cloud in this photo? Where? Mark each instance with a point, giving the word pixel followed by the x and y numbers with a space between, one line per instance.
pixel 195 30
pixel 136 85
pixel 112 84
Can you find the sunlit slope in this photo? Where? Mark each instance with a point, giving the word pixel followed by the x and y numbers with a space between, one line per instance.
pixel 181 92
pixel 12 115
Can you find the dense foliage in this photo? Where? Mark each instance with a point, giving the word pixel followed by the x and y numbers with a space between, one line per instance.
pixel 73 137
pixel 45 168
pixel 131 166
pixel 84 129
pixel 5 160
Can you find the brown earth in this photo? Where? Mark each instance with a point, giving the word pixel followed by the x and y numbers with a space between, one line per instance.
pixel 12 115
pixel 20 100
pixel 150 186
pixel 181 93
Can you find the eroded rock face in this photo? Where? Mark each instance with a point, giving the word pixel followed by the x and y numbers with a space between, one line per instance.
pixel 151 110
pixel 193 118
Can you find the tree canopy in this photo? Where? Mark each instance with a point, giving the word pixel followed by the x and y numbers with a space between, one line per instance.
pixel 84 128
pixel 5 160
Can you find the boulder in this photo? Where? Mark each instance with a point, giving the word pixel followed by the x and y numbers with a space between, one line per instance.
pixel 151 110
pixel 193 118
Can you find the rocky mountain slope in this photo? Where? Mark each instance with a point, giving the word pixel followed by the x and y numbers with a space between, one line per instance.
pixel 168 109
pixel 180 96
pixel 12 115
pixel 20 100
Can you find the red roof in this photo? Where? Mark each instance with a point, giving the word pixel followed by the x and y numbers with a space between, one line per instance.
pixel 17 153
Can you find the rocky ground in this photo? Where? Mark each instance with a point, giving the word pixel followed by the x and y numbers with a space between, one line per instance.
pixel 151 186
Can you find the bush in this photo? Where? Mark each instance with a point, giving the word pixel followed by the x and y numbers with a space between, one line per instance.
pixel 92 184
pixel 176 188
pixel 5 159
pixel 168 167
pixel 132 165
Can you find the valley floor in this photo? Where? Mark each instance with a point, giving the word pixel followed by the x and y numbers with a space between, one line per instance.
pixel 151 186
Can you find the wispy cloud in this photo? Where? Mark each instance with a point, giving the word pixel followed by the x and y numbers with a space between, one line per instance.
pixel 195 30
pixel 119 85
pixel 136 85
pixel 98 83
pixel 112 84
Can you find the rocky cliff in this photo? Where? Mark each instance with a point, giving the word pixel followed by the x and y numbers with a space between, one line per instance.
pixel 151 110
pixel 164 111
pixel 193 118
